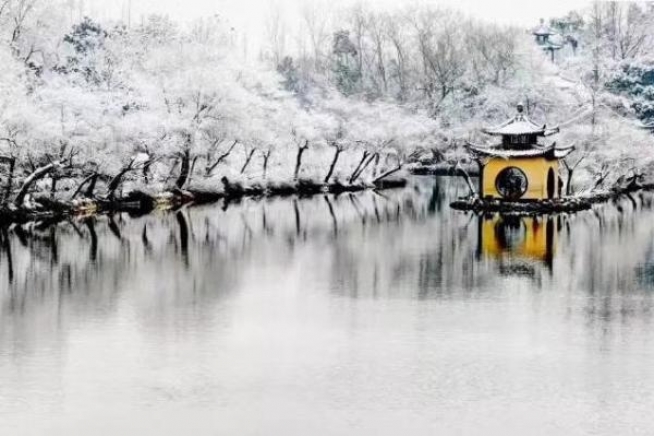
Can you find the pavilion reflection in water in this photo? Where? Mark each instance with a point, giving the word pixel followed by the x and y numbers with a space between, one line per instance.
pixel 519 243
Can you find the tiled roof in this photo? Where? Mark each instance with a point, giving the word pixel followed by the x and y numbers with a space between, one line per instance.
pixel 535 151
pixel 543 29
pixel 520 125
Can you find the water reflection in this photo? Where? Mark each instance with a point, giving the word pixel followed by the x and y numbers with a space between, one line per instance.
pixel 520 243
pixel 404 242
pixel 356 295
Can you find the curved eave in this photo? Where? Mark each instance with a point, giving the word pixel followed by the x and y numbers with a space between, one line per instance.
pixel 508 154
pixel 518 125
pixel 552 47
pixel 506 130
pixel 492 132
pixel 562 152
pixel 543 31
pixel 550 151
pixel 552 131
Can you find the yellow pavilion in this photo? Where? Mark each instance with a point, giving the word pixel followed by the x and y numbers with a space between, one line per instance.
pixel 520 168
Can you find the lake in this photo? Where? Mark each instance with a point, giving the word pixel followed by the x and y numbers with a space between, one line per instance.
pixel 365 314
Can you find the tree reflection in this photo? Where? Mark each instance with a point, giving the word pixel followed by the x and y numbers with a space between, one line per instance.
pixel 183 236
pixel 403 243
pixel 93 253
pixel 6 248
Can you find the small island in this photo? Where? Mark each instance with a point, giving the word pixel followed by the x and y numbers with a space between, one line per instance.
pixel 521 173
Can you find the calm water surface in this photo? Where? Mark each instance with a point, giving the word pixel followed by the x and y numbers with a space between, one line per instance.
pixel 365 314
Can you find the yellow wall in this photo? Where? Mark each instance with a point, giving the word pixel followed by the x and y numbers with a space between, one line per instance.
pixel 535 169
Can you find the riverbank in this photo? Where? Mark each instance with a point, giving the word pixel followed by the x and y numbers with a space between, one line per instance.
pixel 563 205
pixel 560 205
pixel 443 169
pixel 138 201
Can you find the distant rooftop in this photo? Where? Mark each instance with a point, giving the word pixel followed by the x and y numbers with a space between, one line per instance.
pixel 551 46
pixel 543 29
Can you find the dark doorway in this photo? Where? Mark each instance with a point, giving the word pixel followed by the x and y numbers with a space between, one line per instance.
pixel 551 183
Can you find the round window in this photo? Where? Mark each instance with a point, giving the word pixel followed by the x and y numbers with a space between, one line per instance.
pixel 511 183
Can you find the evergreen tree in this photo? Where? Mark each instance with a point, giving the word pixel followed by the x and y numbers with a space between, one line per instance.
pixel 347 75
pixel 636 81
pixel 85 40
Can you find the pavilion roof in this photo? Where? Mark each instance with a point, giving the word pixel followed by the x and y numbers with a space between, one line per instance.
pixel 536 151
pixel 562 152
pixel 543 29
pixel 520 125
pixel 552 46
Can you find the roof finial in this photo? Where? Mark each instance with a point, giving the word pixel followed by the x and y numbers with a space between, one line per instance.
pixel 520 107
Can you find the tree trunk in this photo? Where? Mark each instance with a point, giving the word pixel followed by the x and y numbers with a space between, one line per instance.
pixel 185 169
pixel 568 185
pixel 192 171
pixel 266 157
pixel 600 181
pixel 115 183
pixel 356 170
pixel 298 160
pixel 362 168
pixel 333 165
pixel 10 178
pixel 53 186
pixel 82 184
pixel 37 175
pixel 90 191
pixel 146 171
pixel 212 166
pixel 247 160
pixel 391 172
pixel 376 167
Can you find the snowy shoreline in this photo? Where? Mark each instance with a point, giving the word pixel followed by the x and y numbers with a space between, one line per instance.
pixel 140 202
pixel 572 204
pixel 137 201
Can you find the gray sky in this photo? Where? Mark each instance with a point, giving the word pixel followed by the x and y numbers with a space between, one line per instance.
pixel 248 15
pixel 242 11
